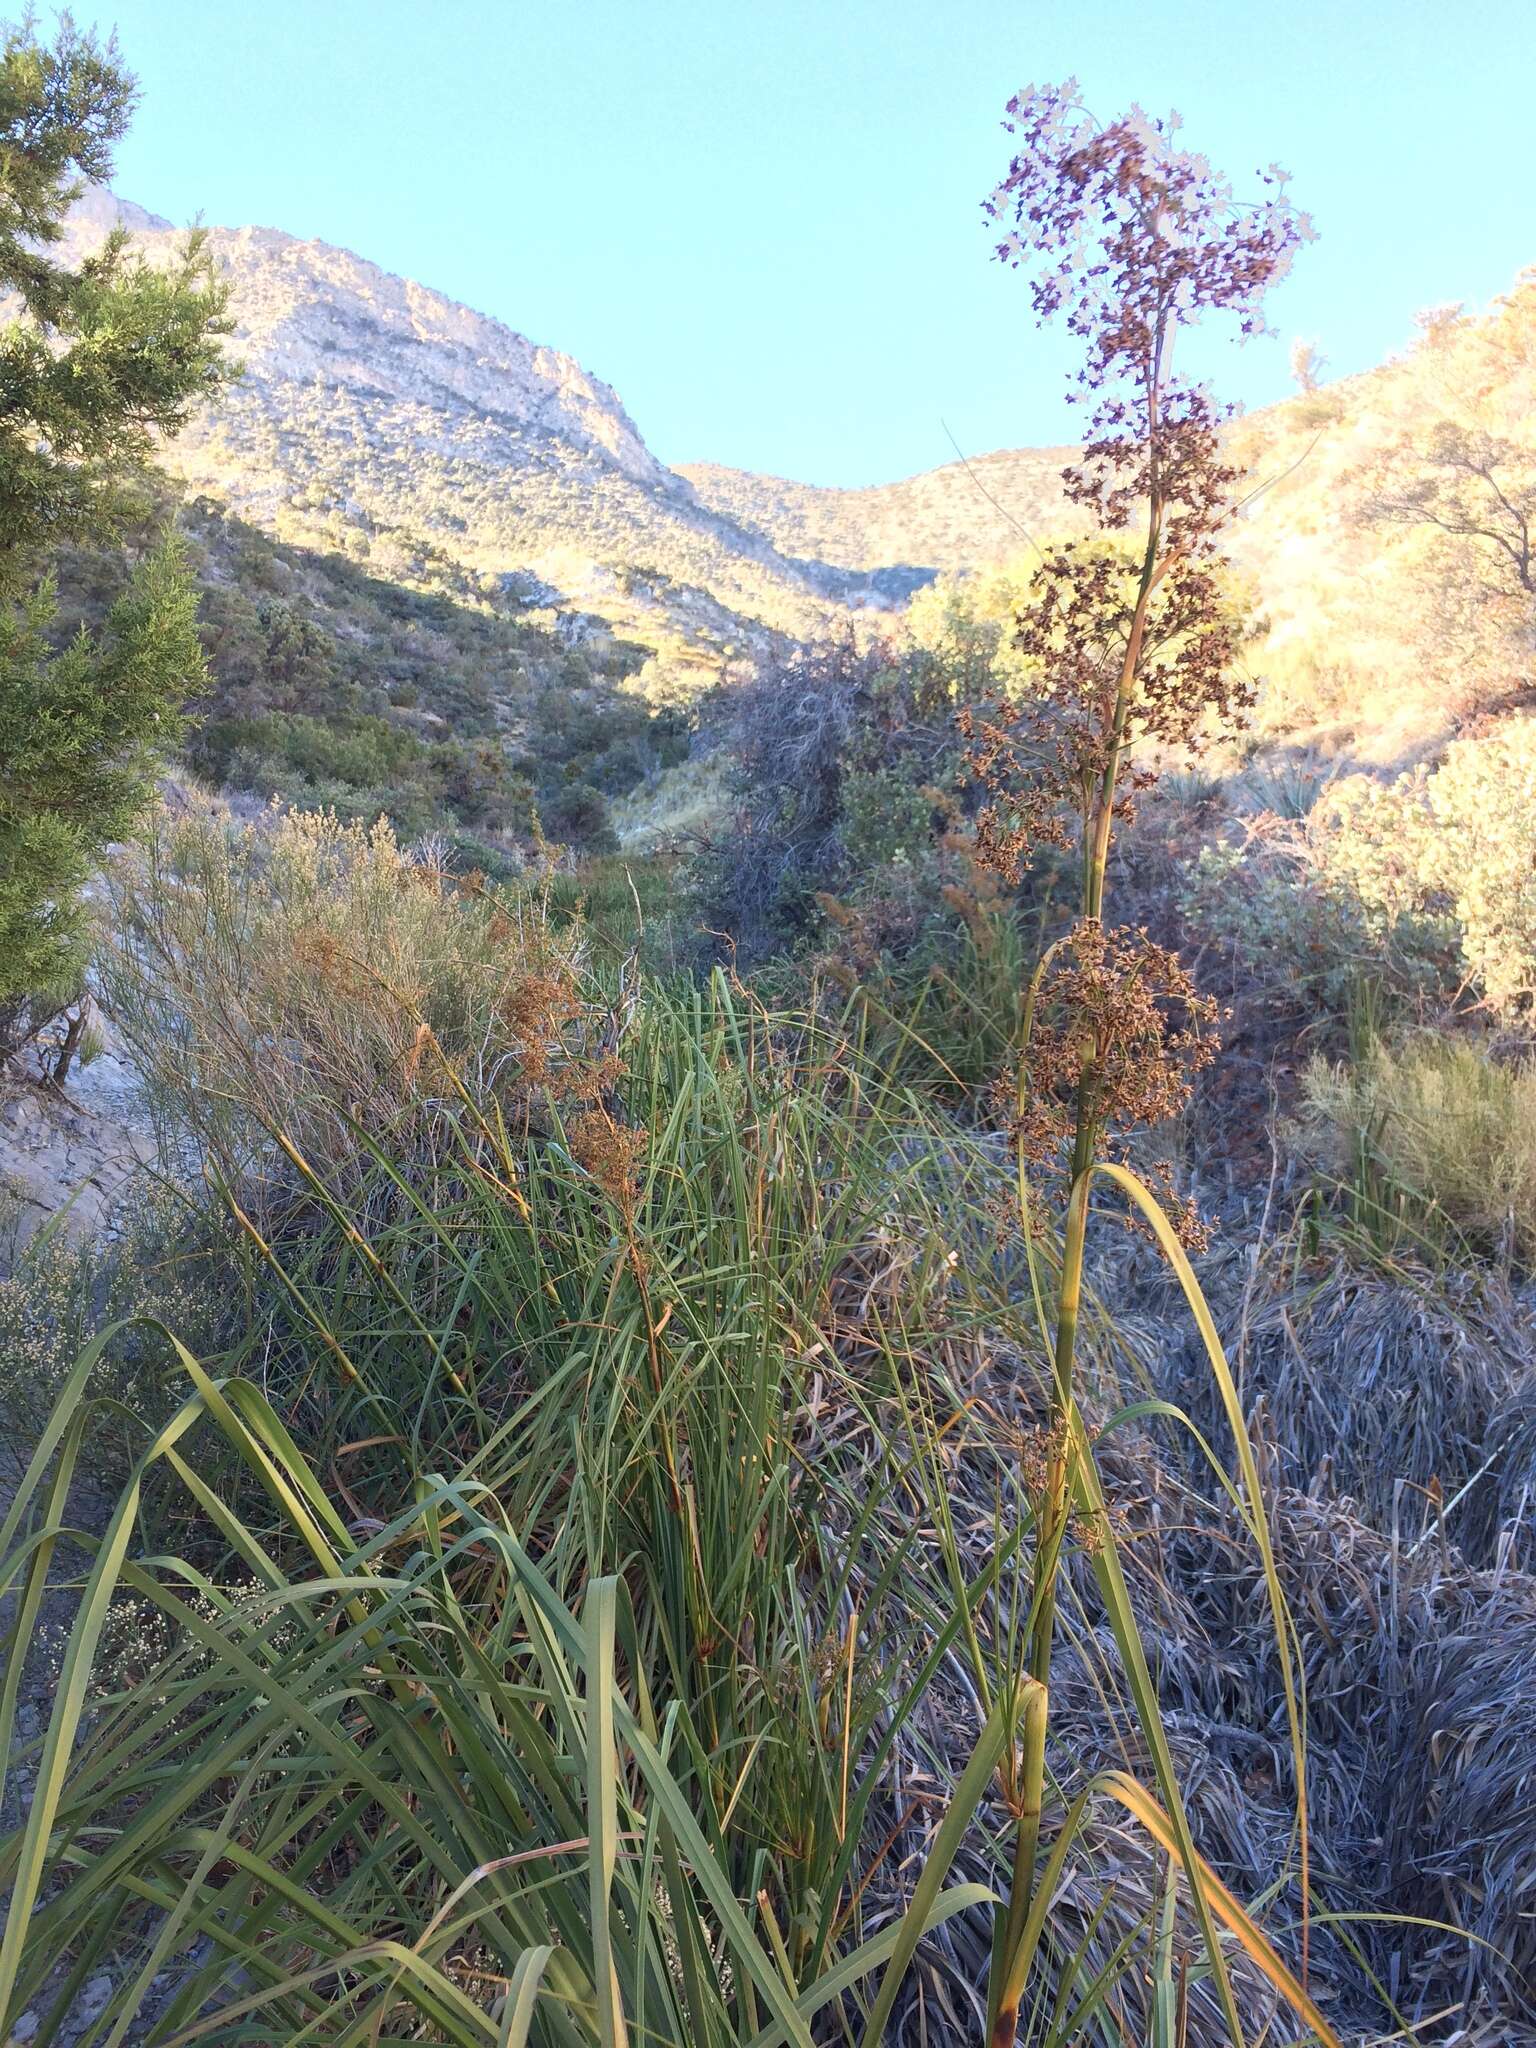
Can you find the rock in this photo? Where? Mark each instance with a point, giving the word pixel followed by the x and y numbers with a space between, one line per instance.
pixel 92 2002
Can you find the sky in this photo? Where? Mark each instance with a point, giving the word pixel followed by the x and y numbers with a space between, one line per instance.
pixel 760 220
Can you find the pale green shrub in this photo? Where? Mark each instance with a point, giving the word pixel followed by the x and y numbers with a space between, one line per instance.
pixel 1295 935
pixel 1449 1126
pixel 1455 845
pixel 1283 930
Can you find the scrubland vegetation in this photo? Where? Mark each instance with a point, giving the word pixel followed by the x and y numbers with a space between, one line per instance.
pixel 791 1433
pixel 446 702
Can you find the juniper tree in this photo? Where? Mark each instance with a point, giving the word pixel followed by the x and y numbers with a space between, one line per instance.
pixel 97 360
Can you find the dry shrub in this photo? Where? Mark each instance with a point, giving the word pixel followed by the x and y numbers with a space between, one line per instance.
pixel 314 979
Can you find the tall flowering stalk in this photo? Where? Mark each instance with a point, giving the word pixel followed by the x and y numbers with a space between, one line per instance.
pixel 1129 239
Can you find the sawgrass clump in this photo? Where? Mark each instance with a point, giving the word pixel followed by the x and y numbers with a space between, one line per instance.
pixel 628 1479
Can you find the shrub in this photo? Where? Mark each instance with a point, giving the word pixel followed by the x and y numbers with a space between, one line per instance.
pixel 577 815
pixel 1454 845
pixel 161 1265
pixel 839 756
pixel 1451 1127
pixel 310 976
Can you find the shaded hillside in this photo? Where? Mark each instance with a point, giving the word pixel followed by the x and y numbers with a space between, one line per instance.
pixel 441 701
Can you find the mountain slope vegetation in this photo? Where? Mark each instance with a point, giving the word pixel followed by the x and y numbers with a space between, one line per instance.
pixel 378 414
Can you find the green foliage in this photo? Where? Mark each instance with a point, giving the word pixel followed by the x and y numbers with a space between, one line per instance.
pixel 478 1829
pixel 60 1293
pixel 95 364
pixel 576 813
pixel 81 732
pixel 363 767
pixel 885 818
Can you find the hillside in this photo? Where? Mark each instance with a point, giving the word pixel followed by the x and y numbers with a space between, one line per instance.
pixel 1375 544
pixel 379 421
pixel 1380 634
pixel 419 696
pixel 955 517
pixel 380 416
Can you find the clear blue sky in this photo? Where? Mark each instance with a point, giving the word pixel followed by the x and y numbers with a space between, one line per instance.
pixel 760 220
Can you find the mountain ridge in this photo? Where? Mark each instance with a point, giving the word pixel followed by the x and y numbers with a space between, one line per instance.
pixel 378 415
pixel 382 420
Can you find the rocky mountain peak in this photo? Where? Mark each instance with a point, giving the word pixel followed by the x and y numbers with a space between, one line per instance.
pixel 383 418
pixel 308 311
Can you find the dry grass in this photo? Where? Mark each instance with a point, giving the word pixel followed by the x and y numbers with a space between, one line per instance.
pixel 1448 1123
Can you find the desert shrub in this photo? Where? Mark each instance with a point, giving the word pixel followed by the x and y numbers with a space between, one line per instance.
pixel 840 762
pixel 1449 1125
pixel 886 817
pixel 962 628
pixel 1286 934
pixel 1454 845
pixel 307 976
pixel 365 767
pixel 576 814
pixel 1282 932
pixel 930 954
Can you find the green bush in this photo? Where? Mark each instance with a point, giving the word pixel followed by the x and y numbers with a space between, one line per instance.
pixel 576 814
pixel 162 1264
pixel 365 767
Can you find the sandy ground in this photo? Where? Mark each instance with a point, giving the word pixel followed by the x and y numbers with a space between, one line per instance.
pixel 78 1147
